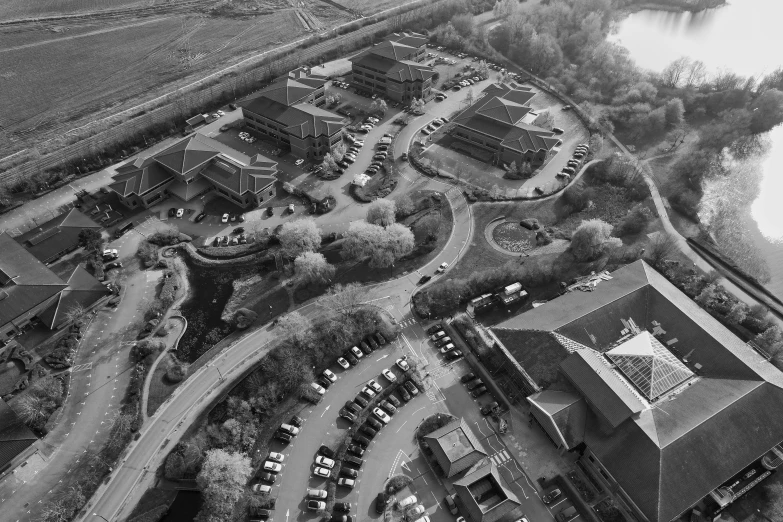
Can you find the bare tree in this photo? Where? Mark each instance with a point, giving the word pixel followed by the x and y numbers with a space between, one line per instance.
pixel 662 245
pixel 75 313
pixel 343 299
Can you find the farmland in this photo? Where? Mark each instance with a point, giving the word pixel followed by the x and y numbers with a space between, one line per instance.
pixel 60 74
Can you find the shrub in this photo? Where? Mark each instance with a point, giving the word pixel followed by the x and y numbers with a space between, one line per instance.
pixel 577 196
pixel 148 253
pixel 397 483
pixel 176 373
pixel 243 318
pixel 591 239
pixel 144 348
pixel 634 222
pixel 432 423
pixel 165 237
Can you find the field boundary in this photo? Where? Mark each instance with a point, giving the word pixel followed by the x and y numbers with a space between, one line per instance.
pixel 183 101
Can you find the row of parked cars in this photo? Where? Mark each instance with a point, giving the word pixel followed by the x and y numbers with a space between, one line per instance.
pixel 443 342
pixel 574 163
pixel 434 125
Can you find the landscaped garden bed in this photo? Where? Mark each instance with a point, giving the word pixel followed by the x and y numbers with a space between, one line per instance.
pixel 512 237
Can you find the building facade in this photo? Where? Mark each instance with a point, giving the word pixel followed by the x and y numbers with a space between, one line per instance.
pixel 503 124
pixel 392 69
pixel 289 111
pixel 195 166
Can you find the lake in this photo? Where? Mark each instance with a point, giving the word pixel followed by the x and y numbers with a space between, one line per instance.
pixel 744 37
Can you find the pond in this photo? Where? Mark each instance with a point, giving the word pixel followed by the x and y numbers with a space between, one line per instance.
pixel 211 289
pixel 184 508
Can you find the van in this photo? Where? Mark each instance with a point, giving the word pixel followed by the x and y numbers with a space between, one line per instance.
pixel 124 228
pixel 567 514
pixel 293 430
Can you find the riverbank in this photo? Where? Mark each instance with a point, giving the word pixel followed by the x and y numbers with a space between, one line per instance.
pixel 675 6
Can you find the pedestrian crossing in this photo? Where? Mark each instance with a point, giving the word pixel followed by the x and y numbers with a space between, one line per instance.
pixel 408 322
pixel 500 457
pixel 80 367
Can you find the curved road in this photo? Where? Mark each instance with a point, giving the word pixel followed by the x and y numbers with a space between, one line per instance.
pixel 116 499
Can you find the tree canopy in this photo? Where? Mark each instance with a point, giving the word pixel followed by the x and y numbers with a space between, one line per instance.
pixel 382 212
pixel 312 267
pixel 381 245
pixel 222 480
pixel 591 239
pixel 297 237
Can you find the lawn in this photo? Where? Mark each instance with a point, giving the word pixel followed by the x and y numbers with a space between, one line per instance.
pixel 160 387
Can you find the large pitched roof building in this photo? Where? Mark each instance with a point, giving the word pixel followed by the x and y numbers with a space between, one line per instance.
pixel 15 437
pixel 58 236
pixel 392 69
pixel 290 112
pixel 29 290
pixel 192 167
pixel 455 447
pixel 650 378
pixel 503 123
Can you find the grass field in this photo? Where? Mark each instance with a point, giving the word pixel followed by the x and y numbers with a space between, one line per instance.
pixel 19 9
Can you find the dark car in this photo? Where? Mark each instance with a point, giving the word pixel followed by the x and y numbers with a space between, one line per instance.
pixel 361 440
pixel 348 472
pixel 404 393
pixel 489 408
pixel 323 381
pixel 353 407
pixel 434 328
pixel 478 392
pixel 552 496
pixel 326 452
pixel 424 279
pixel 365 348
pixel 454 354
pixel 390 408
pixel 411 388
pixel 114 264
pixel 347 415
pixel 172 212
pixel 394 400
pixel 374 424
pixel 282 436
pixel 351 358
pixel 267 477
pixel 238 230
pixel 381 501
pixel 353 460
pixel 380 338
pixel 468 377
pixel 201 216
pixel 270 211
pixel 262 514
pixel 345 507
pixel 372 342
pixel 356 450
pixel 475 384
pixel 361 401
pixel 368 431
pixel 296 421
pixel 232 106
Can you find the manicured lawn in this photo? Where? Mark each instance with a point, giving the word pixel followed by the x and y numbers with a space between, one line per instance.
pixel 160 387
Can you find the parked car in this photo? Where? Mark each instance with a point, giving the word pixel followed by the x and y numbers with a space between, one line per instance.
pixel 434 328
pixel 293 430
pixel 489 408
pixel 351 359
pixel 467 377
pixel 356 450
pixel 267 477
pixel 424 279
pixel 388 407
pixel 347 415
pixel 381 501
pixel 382 415
pixel 407 501
pixel 374 385
pixel 322 472
pixel 478 392
pixel 112 265
pixel 324 462
pixel 348 472
pixel 380 338
pixel 394 400
pixel 357 352
pixel 316 493
pixel 447 348
pixel 451 505
pixel 442 268
pixel 372 342
pixel 260 488
pixel 552 496
pixel 443 341
pixel 346 482
pixel 344 507
pixel 316 505
pixel 277 457
pixel 402 364
pixel 361 401
pixel 557 130
pixel 404 394
pixel 374 424
pixel 224 219
pixel 353 460
pixel 342 362
pixel 353 407
pixel 453 355
pixel 110 254
pixel 172 212
pixel 272 466
pixel 366 349
pixel 297 421
pixel 283 437
pixel 261 514
pixel 475 384
pixel 567 514
pixel 412 389
pixel 437 335
pixel 369 392
pixel 370 432
pixel 329 375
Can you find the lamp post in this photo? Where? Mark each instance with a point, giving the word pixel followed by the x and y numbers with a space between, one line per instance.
pixel 97 515
pixel 220 374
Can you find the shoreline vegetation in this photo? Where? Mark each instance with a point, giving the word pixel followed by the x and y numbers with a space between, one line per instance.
pixel 675 6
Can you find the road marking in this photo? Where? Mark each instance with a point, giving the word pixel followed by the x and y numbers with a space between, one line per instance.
pixel 326 409
pixel 403 424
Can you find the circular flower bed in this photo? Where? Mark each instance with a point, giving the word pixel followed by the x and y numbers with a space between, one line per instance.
pixel 512 237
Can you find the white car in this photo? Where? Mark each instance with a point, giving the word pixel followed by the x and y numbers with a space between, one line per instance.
pixel 298 162
pixel 346 482
pixel 224 219
pixel 277 457
pixel 180 212
pixel 402 364
pixel 330 375
pixel 221 113
pixel 375 386
pixel 318 388
pixel 418 510
pixel 357 352
pixel 322 472
pixel 272 466
pixel 261 488
pixel 407 501
pixel 368 392
pixel 111 252
pixel 316 493
pixel 442 268
pixel 446 349
pixel 324 462
pixel 389 375
pixel 342 362
pixel 381 415
pixel 437 335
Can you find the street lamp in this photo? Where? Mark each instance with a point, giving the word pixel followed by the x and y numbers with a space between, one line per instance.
pixel 220 374
pixel 97 515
